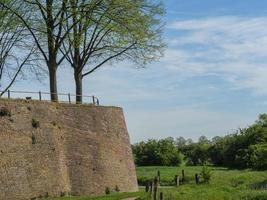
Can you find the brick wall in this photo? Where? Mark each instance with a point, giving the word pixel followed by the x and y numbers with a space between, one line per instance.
pixel 77 149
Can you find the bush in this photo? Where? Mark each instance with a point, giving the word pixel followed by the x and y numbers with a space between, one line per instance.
pixel 4 111
pixel 64 194
pixel 108 191
pixel 117 189
pixel 206 174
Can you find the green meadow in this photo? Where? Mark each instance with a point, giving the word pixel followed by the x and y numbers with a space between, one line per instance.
pixel 225 184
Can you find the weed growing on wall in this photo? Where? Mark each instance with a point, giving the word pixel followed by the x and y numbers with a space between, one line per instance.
pixel 35 123
pixel 4 111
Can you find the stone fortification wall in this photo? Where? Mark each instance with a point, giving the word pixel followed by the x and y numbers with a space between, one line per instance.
pixel 50 149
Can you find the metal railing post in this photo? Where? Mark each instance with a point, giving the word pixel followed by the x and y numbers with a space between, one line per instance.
pixel 94 100
pixel 40 96
pixel 69 98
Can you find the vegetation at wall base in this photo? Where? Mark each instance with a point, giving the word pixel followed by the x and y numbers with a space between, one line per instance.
pixel 225 185
pixel 116 196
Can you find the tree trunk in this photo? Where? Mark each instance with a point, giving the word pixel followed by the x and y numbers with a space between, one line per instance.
pixel 53 83
pixel 79 87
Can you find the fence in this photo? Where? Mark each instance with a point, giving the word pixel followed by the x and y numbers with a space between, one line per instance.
pixel 45 96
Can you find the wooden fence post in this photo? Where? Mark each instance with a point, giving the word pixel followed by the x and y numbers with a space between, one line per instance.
pixel 177 180
pixel 183 176
pixel 151 188
pixel 159 176
pixel 197 179
pixel 8 94
pixel 147 186
pixel 93 100
pixel 161 196
pixel 69 98
pixel 155 194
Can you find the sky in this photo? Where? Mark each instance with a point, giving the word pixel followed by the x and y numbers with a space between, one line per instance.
pixel 211 80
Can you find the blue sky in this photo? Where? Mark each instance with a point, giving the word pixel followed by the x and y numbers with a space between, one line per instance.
pixel 211 81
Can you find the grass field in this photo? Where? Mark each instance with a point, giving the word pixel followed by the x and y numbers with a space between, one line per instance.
pixel 224 185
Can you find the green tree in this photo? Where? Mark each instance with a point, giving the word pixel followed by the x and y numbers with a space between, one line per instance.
pixel 196 153
pixel 157 153
pixel 243 149
pixel 112 31
pixel 180 142
pixel 13 38
pixel 203 140
pixel 216 151
pixel 44 21
pixel 258 156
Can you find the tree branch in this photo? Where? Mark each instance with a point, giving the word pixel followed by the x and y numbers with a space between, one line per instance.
pixel 108 59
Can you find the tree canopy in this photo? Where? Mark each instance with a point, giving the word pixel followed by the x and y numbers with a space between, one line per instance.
pixel 247 148
pixel 90 33
pixel 108 31
pixel 161 152
pixel 13 39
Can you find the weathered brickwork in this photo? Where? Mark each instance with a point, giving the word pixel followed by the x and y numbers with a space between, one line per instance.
pixel 77 149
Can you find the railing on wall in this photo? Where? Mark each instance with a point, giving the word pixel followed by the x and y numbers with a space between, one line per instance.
pixel 45 96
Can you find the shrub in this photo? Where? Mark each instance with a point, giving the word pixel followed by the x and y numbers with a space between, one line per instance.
pixel 64 194
pixel 206 173
pixel 108 191
pixel 117 189
pixel 35 123
pixel 4 111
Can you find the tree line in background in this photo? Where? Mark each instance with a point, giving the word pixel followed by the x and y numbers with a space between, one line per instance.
pixel 246 148
pixel 86 34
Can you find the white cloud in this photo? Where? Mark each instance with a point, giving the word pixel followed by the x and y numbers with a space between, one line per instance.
pixel 234 48
pixel 230 25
